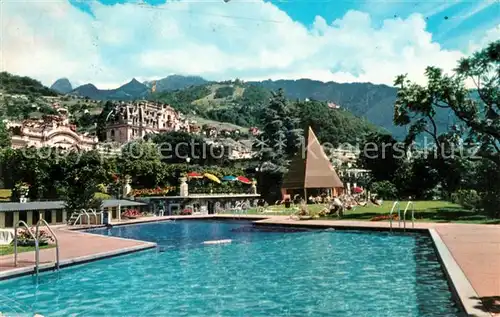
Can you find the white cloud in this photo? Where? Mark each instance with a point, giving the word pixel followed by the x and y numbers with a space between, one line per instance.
pixel 249 40
pixel 490 35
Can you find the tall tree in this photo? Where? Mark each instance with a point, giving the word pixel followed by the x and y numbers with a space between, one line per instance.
pixel 180 147
pixel 281 135
pixel 478 111
pixel 141 160
pixel 84 172
pixel 476 137
pixel 381 154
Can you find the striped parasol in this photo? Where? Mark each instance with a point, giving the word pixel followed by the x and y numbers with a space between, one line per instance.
pixel 194 175
pixel 212 177
pixel 244 180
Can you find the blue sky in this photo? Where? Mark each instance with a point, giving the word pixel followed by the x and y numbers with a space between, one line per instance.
pixel 446 20
pixel 108 42
pixel 451 22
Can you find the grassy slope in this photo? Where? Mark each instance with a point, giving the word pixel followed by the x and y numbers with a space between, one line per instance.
pixel 217 124
pixel 209 101
pixel 431 211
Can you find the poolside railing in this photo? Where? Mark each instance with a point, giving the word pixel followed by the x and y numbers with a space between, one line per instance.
pixel 78 220
pixel 410 203
pixel 396 204
pixel 43 222
pixel 34 237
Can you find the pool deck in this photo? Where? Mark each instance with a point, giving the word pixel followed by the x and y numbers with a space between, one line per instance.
pixel 75 247
pixel 469 252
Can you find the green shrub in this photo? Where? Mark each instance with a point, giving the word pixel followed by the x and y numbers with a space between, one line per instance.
pixel 490 202
pixel 468 198
pixel 473 217
pixel 385 190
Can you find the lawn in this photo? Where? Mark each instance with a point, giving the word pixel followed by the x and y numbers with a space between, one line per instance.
pixel 431 211
pixel 9 249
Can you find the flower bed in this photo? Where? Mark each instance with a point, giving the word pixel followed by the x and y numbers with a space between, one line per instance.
pixel 24 238
pixel 186 212
pixel 159 191
pixel 131 214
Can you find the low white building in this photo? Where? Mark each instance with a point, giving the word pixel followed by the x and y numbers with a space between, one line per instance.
pixel 49 131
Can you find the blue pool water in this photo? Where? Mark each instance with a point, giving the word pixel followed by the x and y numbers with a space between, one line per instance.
pixel 261 273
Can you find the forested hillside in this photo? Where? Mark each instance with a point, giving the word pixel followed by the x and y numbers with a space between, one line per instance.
pixel 245 104
pixel 13 84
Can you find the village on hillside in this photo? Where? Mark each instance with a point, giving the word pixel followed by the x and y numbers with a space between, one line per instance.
pixel 127 121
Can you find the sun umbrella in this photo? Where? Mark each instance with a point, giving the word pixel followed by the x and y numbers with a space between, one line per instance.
pixel 212 177
pixel 357 190
pixel 229 178
pixel 194 175
pixel 244 180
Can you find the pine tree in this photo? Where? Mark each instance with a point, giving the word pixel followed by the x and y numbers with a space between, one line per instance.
pixel 280 131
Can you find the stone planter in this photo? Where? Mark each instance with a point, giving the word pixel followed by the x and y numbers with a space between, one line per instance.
pixel 23 199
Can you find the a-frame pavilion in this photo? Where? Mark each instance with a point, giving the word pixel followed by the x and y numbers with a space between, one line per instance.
pixel 310 172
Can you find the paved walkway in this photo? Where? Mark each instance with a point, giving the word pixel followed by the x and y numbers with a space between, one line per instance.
pixel 73 246
pixel 475 248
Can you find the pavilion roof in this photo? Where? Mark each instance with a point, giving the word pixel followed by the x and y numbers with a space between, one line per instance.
pixel 311 168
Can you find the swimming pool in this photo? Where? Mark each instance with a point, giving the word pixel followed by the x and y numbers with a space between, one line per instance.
pixel 261 273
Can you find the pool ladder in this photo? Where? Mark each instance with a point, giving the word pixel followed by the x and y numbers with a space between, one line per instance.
pixel 397 205
pixel 35 237
pixel 77 218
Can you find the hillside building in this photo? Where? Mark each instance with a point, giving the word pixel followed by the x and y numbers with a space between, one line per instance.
pixel 131 121
pixel 238 150
pixel 49 131
pixel 345 154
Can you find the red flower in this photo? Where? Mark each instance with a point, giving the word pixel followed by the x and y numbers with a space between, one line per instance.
pixel 187 212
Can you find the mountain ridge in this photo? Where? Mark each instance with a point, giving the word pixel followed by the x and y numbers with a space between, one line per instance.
pixel 371 101
pixel 374 102
pixel 62 85
pixel 129 91
pixel 175 82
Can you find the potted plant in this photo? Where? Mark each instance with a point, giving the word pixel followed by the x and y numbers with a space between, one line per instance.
pixel 22 189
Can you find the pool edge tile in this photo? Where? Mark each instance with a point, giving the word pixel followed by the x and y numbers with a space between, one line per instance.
pixel 23 271
pixel 465 293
